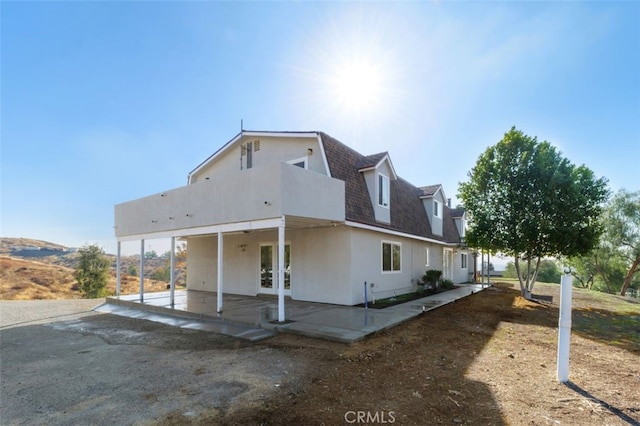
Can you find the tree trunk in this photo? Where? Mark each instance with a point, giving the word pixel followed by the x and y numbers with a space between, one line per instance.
pixel 526 282
pixel 602 273
pixel 627 279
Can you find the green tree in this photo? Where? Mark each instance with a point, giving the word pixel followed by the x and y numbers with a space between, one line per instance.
pixel 92 272
pixel 132 270
pixel 614 264
pixel 548 271
pixel 527 201
pixel 622 232
pixel 510 271
pixel 162 273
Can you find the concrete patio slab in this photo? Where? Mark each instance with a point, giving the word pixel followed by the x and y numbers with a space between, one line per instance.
pixel 255 318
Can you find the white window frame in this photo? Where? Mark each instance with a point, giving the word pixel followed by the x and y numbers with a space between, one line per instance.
pixel 392 244
pixel 427 257
pixel 249 162
pixel 384 191
pixel 437 210
pixel 464 261
pixel 304 160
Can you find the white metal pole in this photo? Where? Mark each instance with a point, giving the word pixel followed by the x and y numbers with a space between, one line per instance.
pixel 118 278
pixel 564 327
pixel 172 272
pixel 141 270
pixel 220 270
pixel 281 316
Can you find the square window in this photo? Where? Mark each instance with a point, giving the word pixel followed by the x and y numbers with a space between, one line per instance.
pixel 391 257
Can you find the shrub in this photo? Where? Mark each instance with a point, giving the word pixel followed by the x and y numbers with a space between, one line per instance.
pixel 92 271
pixel 432 277
pixel 447 284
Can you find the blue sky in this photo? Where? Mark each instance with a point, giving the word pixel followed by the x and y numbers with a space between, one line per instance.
pixel 104 102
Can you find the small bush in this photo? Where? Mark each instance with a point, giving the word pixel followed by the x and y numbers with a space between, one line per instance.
pixel 447 284
pixel 92 271
pixel 432 277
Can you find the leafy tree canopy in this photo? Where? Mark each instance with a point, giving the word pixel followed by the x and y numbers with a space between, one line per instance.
pixel 92 271
pixel 527 201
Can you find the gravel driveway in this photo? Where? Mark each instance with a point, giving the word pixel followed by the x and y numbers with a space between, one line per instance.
pixel 63 364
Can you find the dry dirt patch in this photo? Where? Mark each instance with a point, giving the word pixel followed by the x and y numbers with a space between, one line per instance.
pixel 488 359
pixel 25 279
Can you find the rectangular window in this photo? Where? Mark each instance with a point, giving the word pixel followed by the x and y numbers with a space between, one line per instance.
pixel 436 208
pixel 463 260
pixel 391 255
pixel 426 256
pixel 249 155
pixel 383 190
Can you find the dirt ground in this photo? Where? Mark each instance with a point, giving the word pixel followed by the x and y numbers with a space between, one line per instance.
pixel 488 359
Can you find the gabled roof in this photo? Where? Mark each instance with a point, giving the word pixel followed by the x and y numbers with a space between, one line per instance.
pixel 455 213
pixel 407 211
pixel 239 137
pixel 371 162
pixel 430 190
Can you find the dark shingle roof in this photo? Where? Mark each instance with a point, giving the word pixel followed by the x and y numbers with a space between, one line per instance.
pixel 407 211
pixel 371 160
pixel 457 212
pixel 429 190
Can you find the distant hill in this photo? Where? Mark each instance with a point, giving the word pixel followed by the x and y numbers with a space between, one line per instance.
pixel 35 269
pixel 8 245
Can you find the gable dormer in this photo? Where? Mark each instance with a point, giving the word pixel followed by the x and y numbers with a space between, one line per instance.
pixel 433 200
pixel 378 172
pixel 460 219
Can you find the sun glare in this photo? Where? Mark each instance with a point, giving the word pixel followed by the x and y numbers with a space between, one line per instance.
pixel 357 85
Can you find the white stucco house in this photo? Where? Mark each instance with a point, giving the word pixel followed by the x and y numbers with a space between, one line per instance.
pixel 303 210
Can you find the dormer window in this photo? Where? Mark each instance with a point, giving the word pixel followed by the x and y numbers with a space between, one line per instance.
pixel 383 190
pixel 437 209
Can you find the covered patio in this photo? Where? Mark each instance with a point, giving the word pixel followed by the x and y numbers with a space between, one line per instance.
pixel 256 318
pixel 281 199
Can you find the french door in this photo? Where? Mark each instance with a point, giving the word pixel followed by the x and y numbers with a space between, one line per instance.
pixel 269 268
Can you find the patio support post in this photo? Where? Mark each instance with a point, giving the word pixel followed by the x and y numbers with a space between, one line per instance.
pixel 220 271
pixel 281 316
pixel 141 270
pixel 172 271
pixel 118 270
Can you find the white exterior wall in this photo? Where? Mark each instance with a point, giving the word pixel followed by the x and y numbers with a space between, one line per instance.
pixel 328 265
pixel 461 275
pixel 366 264
pixel 202 264
pixel 272 150
pixel 319 263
